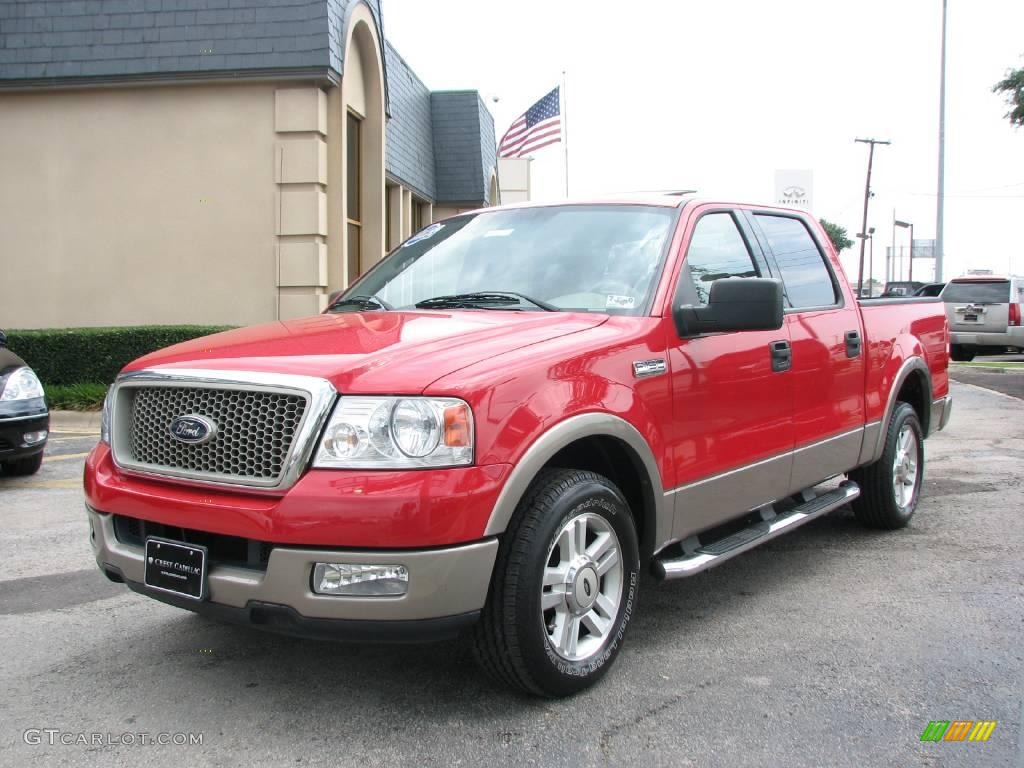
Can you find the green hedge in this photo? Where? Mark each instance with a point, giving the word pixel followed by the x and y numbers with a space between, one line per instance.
pixel 75 397
pixel 64 356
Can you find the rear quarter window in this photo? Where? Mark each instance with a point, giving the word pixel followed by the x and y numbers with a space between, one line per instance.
pixel 978 292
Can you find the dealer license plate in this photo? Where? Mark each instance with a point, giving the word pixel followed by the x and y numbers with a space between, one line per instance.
pixel 172 566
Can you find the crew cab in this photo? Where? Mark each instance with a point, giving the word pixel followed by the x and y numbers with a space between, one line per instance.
pixel 506 421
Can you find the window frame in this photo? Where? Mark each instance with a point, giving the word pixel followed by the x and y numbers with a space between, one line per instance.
pixel 685 291
pixel 354 260
pixel 751 215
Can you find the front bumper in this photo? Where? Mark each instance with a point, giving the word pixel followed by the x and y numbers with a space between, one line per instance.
pixel 447 588
pixel 12 436
pixel 1013 337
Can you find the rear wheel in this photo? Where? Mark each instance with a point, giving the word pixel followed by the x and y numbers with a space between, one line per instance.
pixel 962 354
pixel 564 586
pixel 890 487
pixel 27 466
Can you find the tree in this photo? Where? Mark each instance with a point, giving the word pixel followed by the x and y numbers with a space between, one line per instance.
pixel 837 235
pixel 1013 86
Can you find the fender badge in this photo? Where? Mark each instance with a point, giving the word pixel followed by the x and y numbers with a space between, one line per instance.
pixel 643 368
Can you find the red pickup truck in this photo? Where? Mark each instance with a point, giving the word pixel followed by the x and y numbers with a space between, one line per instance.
pixel 511 417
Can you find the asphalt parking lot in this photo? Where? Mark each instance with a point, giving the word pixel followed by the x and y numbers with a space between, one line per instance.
pixel 832 646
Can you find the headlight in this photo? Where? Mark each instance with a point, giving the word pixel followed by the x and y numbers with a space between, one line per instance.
pixel 22 384
pixel 397 433
pixel 105 417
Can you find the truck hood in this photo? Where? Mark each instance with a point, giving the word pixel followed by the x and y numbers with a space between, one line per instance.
pixel 372 352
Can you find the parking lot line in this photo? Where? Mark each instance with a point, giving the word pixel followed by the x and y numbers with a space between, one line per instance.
pixel 33 485
pixel 66 456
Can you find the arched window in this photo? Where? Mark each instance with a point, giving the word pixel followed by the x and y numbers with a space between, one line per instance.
pixel 362 88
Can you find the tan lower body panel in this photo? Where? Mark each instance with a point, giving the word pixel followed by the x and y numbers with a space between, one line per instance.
pixel 442 582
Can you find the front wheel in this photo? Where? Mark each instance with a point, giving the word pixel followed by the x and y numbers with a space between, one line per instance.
pixel 890 487
pixel 21 467
pixel 564 586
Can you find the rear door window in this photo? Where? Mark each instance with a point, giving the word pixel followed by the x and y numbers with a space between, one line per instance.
pixel 804 272
pixel 977 292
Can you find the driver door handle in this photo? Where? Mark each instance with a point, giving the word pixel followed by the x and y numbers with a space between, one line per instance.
pixel 782 356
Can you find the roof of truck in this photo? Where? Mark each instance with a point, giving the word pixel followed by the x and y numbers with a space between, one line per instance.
pixel 656 199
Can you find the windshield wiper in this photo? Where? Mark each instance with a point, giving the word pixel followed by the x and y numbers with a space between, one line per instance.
pixel 480 299
pixel 362 301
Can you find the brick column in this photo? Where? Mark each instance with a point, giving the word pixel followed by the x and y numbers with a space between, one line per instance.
pixel 300 170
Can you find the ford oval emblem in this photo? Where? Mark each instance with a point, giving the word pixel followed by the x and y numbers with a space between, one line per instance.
pixel 192 429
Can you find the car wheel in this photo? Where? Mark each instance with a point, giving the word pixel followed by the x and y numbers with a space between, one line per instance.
pixel 27 466
pixel 564 586
pixel 961 354
pixel 890 487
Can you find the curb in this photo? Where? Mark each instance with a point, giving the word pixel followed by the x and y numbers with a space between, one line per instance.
pixel 985 368
pixel 75 421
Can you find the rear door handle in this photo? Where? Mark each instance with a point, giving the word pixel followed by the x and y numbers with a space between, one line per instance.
pixel 853 343
pixel 782 356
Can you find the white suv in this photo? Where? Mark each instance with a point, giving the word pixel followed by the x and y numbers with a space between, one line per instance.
pixel 984 315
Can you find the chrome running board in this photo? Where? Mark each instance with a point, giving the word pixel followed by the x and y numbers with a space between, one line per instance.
pixel 717 552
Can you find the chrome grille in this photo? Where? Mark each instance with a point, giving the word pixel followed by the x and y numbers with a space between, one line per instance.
pixel 255 433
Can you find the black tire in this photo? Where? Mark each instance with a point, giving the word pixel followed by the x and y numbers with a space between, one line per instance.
pixel 511 641
pixel 962 354
pixel 877 505
pixel 28 466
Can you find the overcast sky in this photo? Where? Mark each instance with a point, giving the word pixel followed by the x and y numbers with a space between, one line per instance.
pixel 668 94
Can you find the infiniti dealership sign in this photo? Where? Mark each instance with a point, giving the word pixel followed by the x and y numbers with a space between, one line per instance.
pixel 794 189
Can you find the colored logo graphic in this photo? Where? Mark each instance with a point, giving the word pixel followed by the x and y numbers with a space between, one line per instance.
pixel 958 730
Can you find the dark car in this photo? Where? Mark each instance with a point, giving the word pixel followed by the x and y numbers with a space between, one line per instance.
pixel 930 289
pixel 24 417
pixel 901 288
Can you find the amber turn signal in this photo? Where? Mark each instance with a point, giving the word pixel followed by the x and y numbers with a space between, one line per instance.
pixel 456 426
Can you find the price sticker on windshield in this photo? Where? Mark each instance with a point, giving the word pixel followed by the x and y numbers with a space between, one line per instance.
pixel 620 302
pixel 424 234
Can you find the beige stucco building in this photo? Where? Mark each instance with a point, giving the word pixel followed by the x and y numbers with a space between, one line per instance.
pixel 215 165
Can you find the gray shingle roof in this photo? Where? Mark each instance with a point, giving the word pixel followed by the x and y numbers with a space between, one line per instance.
pixel 463 146
pixel 44 40
pixel 410 143
pixel 441 145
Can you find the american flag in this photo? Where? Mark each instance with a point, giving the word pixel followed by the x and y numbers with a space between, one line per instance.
pixel 539 126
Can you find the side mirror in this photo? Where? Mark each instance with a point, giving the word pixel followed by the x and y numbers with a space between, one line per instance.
pixel 735 304
pixel 3 339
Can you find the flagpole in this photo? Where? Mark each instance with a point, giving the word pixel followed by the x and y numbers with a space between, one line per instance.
pixel 565 130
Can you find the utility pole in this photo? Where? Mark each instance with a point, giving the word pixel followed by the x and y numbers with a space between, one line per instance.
pixel 941 197
pixel 867 197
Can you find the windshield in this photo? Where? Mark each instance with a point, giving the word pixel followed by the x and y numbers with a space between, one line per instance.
pixel 978 291
pixel 603 258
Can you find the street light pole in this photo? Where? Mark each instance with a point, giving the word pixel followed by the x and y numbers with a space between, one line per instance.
pixel 871 262
pixel 910 269
pixel 906 225
pixel 892 253
pixel 941 197
pixel 867 197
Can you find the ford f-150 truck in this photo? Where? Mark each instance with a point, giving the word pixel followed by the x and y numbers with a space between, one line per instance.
pixel 506 421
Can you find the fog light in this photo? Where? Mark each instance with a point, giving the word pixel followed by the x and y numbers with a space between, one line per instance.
pixel 32 438
pixel 360 580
